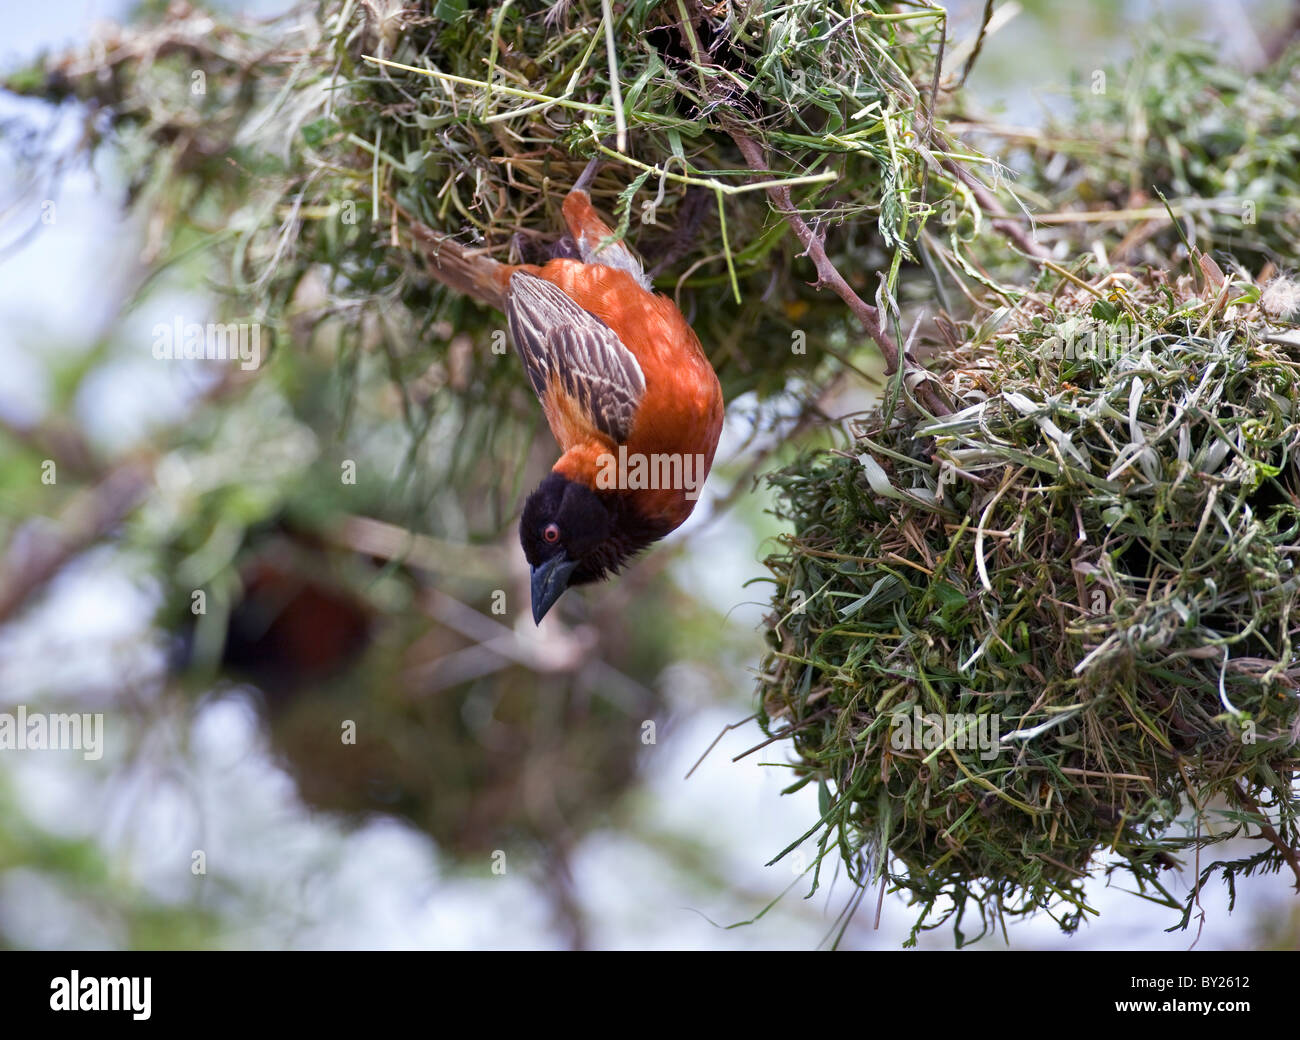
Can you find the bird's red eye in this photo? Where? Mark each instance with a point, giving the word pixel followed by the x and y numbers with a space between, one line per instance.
pixel 552 533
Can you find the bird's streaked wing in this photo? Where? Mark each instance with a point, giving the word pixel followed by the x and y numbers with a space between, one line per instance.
pixel 567 348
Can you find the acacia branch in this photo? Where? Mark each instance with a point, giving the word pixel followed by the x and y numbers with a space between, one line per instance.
pixel 829 277
pixel 39 552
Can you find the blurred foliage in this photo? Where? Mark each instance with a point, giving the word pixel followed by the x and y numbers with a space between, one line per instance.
pixel 1222 144
pixel 77 872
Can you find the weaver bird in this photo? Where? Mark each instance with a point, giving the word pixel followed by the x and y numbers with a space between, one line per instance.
pixel 626 389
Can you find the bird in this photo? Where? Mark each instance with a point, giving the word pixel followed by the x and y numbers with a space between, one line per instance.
pixel 624 383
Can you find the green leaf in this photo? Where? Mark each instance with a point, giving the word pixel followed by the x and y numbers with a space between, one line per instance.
pixel 949 596
pixel 1104 310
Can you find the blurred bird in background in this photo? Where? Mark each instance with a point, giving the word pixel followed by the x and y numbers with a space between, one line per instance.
pixel 626 389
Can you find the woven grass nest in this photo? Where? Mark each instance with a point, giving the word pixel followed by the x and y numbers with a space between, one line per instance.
pixel 1092 568
pixel 315 143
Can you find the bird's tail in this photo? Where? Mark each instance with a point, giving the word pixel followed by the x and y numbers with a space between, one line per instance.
pixel 488 281
pixel 590 232
pixel 461 268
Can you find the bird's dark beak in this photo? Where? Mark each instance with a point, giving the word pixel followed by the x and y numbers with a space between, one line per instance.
pixel 550 579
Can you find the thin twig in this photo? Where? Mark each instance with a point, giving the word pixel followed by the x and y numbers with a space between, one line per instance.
pixel 716 740
pixel 828 276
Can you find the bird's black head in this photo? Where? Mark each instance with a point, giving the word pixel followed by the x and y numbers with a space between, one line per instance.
pixel 573 535
pixel 563 531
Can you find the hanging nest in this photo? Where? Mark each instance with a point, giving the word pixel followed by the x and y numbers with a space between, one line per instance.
pixel 1055 632
pixel 479 753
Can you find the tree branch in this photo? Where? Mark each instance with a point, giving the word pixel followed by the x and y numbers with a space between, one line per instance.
pixel 35 555
pixel 828 276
